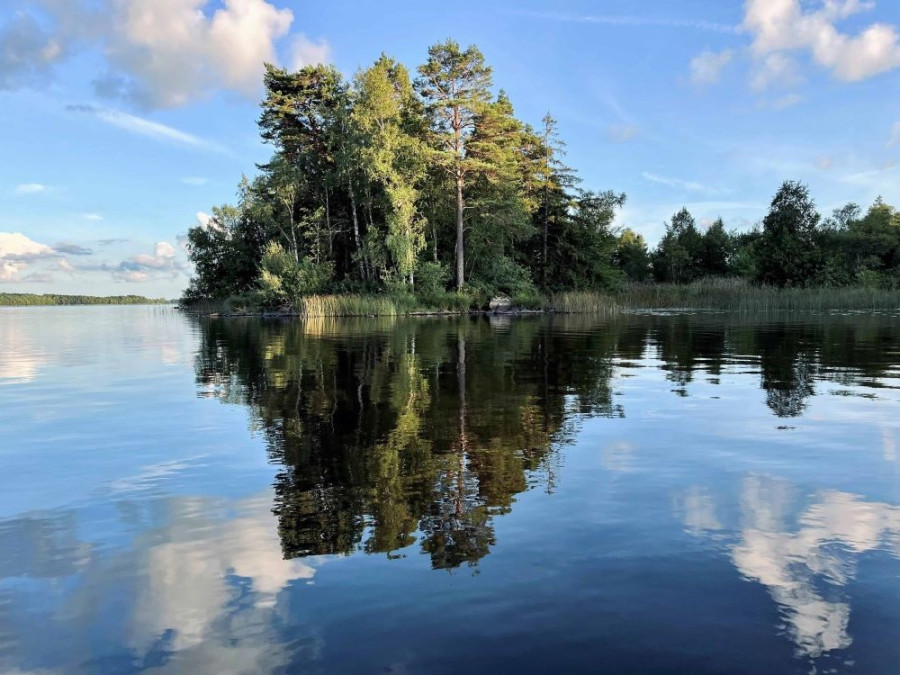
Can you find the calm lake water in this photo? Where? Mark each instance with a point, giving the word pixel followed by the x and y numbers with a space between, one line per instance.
pixel 694 493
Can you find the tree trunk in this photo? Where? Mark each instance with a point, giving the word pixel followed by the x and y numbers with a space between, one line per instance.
pixel 460 253
pixel 544 257
pixel 434 236
pixel 294 238
pixel 328 226
pixel 359 252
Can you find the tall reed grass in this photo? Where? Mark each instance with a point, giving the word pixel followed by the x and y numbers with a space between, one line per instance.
pixel 712 294
pixel 353 305
pixel 584 302
pixel 729 295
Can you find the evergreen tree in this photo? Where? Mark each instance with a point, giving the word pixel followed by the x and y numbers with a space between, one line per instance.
pixel 787 252
pixel 455 85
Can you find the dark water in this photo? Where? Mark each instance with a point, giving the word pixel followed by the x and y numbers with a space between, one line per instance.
pixel 654 494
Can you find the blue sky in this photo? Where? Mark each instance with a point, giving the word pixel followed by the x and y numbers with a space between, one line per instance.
pixel 121 121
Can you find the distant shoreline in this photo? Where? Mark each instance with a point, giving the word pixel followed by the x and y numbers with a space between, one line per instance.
pixel 61 300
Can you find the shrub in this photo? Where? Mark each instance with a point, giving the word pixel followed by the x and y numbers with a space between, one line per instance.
pixel 284 281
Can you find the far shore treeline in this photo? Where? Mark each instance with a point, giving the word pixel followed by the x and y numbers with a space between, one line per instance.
pixel 34 299
pixel 427 188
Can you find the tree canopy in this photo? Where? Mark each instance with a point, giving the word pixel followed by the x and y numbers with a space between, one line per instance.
pixel 433 187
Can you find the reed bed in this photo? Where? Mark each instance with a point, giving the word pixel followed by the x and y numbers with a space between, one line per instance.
pixel 732 295
pixel 348 305
pixel 728 295
pixel 584 302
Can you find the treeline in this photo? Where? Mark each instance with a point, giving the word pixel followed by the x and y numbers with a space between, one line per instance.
pixel 407 185
pixel 792 247
pixel 34 299
pixel 431 187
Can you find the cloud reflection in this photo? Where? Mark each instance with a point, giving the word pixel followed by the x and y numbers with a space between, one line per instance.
pixel 200 592
pixel 805 557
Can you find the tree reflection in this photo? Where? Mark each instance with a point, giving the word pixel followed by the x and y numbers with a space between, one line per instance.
pixel 392 432
pixel 411 430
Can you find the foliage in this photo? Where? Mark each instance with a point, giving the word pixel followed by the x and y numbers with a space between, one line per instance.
pixel 632 256
pixel 386 186
pixel 34 299
pixel 787 254
pixel 285 281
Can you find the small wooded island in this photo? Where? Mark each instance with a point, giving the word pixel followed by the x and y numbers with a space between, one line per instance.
pixel 389 194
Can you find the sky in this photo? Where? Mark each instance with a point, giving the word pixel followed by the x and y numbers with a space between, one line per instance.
pixel 122 122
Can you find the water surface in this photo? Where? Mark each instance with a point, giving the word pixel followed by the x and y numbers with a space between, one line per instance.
pixel 687 492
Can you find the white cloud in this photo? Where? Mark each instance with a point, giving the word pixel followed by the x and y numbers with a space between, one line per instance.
pixel 163 257
pixel 305 52
pixel 166 53
pixel 16 252
pixel 206 221
pixel 66 266
pixel 776 69
pixel 16 246
pixel 92 216
pixel 30 189
pixel 149 267
pixel 707 67
pixel 164 250
pixel 781 26
pixel 825 163
pixel 144 127
pixel 195 180
pixel 9 271
pixel 159 54
pixel 619 133
pixel 895 135
pixel 690 186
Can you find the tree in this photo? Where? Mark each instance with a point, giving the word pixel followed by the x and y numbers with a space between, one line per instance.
pixel 715 250
pixel 553 179
pixel 498 202
pixel 632 256
pixel 455 86
pixel 302 116
pixel 365 175
pixel 584 257
pixel 786 251
pixel 227 249
pixel 385 115
pixel 678 256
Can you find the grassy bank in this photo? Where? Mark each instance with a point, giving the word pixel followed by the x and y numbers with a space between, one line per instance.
pixel 716 294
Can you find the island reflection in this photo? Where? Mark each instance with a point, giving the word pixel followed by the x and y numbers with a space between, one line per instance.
pixel 391 432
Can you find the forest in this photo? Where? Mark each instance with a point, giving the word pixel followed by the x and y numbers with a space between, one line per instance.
pixel 46 299
pixel 426 188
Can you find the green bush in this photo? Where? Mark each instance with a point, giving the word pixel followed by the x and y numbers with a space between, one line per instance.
pixel 284 282
pixel 431 278
pixel 505 277
pixel 529 300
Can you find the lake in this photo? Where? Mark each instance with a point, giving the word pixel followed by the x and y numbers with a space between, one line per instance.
pixel 651 493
